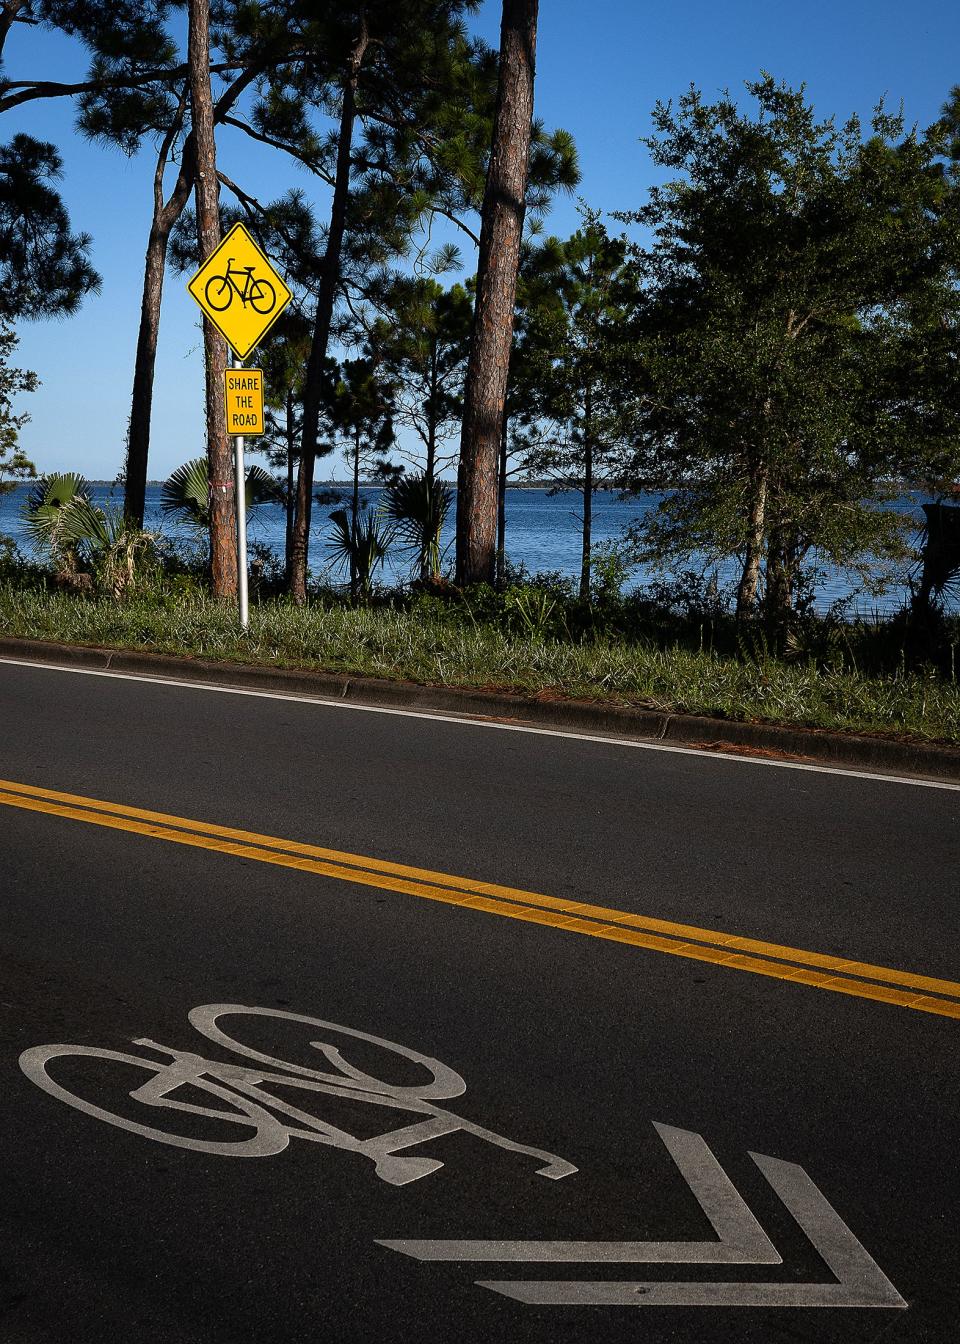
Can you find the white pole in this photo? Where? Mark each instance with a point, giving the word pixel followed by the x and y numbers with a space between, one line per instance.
pixel 241 497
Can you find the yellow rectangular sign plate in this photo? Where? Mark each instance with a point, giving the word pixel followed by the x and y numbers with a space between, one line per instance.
pixel 240 291
pixel 243 389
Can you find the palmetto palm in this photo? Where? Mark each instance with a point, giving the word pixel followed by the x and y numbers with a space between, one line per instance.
pixel 186 492
pixel 47 515
pixel 418 505
pixel 940 555
pixel 366 547
pixel 62 519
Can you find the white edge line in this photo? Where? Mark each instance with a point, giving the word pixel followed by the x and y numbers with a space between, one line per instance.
pixel 481 722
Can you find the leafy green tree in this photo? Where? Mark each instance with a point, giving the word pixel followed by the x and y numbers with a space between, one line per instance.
pixel 799 281
pixel 44 267
pixel 14 464
pixel 950 116
pixel 571 395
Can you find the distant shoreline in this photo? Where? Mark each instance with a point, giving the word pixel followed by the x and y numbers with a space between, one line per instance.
pixel 364 485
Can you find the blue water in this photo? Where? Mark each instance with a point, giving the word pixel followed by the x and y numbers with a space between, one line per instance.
pixel 543 534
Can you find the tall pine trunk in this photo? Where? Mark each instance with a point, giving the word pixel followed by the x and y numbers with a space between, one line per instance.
pixel 329 280
pixel 223 518
pixel 432 403
pixel 500 237
pixel 354 513
pixel 587 530
pixel 290 433
pixel 501 570
pixel 165 215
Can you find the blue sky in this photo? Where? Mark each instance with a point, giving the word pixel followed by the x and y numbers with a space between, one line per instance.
pixel 601 67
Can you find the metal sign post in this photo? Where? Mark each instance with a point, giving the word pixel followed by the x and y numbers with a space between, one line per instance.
pixel 242 295
pixel 241 495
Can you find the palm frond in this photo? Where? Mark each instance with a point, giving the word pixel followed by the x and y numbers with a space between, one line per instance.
pixel 186 492
pixel 49 517
pixel 418 505
pixel 367 550
pixel 81 523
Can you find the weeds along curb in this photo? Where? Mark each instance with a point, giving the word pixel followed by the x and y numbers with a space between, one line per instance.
pixel 879 754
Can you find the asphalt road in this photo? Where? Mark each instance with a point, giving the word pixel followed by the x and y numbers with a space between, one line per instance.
pixel 262 1227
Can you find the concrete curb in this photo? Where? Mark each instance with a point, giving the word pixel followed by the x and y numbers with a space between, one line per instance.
pixel 801 744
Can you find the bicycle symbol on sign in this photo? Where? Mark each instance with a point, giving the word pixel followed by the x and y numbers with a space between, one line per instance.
pixel 220 290
pixel 242 1096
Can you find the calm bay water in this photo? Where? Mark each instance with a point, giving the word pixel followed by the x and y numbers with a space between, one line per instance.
pixel 542 534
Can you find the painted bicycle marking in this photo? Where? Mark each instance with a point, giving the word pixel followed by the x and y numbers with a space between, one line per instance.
pixel 244 1102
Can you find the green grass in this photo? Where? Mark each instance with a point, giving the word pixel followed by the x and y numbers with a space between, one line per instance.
pixel 433 647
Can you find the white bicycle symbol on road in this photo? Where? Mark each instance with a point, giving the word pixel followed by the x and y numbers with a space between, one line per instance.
pixel 244 1102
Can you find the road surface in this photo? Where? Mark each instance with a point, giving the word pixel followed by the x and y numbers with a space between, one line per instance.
pixel 555 1039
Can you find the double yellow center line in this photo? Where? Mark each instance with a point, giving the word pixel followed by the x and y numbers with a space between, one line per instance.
pixel 841 975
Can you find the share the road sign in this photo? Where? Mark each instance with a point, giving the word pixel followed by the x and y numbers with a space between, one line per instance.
pixel 243 390
pixel 239 291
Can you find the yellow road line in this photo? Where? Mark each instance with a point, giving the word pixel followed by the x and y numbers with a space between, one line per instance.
pixel 713 937
pixel 595 921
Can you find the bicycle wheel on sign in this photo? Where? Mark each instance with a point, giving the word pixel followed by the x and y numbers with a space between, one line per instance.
pixel 218 293
pixel 269 1136
pixel 262 297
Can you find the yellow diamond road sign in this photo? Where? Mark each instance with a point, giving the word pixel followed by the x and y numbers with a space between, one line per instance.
pixel 239 291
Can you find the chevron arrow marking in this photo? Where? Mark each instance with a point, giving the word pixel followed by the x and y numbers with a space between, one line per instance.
pixel 859 1280
pixel 741 1239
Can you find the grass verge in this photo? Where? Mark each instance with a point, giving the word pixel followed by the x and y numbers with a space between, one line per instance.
pixel 427 646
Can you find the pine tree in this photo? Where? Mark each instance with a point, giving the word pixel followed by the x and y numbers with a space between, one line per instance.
pixel 408 90
pixel 422 339
pixel 504 206
pixel 360 410
pixel 573 322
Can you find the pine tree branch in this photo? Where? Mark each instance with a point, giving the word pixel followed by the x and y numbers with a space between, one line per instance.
pixel 283 145
pixel 250 204
pixel 28 90
pixel 173 131
pixel 255 210
pixel 455 219
pixel 11 14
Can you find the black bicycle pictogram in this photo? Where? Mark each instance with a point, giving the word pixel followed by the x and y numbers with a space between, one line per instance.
pixel 220 290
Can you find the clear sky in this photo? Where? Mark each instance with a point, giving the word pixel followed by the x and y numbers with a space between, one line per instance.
pixel 601 66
